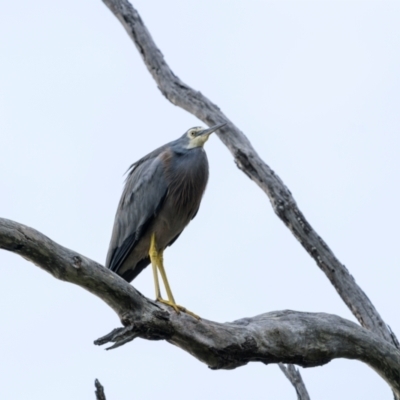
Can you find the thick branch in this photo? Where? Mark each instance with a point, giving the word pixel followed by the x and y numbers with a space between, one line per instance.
pixel 291 337
pixel 246 158
pixel 72 267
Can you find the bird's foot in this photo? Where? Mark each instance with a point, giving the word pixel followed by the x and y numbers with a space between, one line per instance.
pixel 178 308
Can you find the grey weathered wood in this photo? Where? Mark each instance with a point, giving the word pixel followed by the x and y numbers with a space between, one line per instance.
pixel 296 380
pixel 247 159
pixel 306 339
pixel 99 392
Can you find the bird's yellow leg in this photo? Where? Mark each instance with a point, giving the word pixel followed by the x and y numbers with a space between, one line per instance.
pixel 160 266
pixel 156 283
pixel 171 300
pixel 157 261
pixel 153 258
pixel 156 258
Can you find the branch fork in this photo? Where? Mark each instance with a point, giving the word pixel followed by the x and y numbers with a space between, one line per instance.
pixel 305 339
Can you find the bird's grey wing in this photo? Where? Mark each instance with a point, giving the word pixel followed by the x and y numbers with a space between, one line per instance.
pixel 143 195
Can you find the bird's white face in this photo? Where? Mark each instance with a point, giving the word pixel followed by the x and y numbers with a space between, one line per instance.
pixel 196 140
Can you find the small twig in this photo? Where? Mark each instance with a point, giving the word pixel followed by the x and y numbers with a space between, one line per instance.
pixel 99 390
pixel 119 336
pixel 296 380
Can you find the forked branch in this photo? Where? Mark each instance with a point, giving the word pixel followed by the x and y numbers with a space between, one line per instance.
pixel 306 339
pixel 247 159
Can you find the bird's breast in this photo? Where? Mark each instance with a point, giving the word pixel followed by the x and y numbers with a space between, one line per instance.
pixel 187 176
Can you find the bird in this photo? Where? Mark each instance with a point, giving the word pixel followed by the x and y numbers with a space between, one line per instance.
pixel 162 194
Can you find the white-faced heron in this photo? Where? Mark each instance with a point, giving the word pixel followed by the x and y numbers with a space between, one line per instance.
pixel 162 195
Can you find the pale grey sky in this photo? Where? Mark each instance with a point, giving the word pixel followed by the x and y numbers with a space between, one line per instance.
pixel 314 86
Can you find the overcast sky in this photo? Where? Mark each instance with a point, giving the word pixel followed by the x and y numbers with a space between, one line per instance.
pixel 314 86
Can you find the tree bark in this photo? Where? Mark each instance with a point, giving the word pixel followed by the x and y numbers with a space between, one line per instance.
pixel 296 380
pixel 306 339
pixel 99 392
pixel 247 159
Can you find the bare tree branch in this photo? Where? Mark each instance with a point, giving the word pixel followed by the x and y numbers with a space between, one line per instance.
pixel 286 336
pixel 306 339
pixel 246 158
pixel 100 395
pixel 296 380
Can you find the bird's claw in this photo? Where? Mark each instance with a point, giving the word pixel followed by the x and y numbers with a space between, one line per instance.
pixel 178 308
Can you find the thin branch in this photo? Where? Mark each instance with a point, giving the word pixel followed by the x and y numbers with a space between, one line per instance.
pixel 306 339
pixel 100 395
pixel 296 380
pixel 247 159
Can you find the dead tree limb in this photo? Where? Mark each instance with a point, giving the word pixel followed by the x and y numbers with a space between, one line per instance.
pixel 247 159
pixel 296 380
pixel 99 392
pixel 306 339
pixel 144 318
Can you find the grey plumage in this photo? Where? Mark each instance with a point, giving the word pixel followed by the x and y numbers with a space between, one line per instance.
pixel 162 195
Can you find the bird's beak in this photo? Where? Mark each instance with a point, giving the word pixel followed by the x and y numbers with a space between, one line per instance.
pixel 209 131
